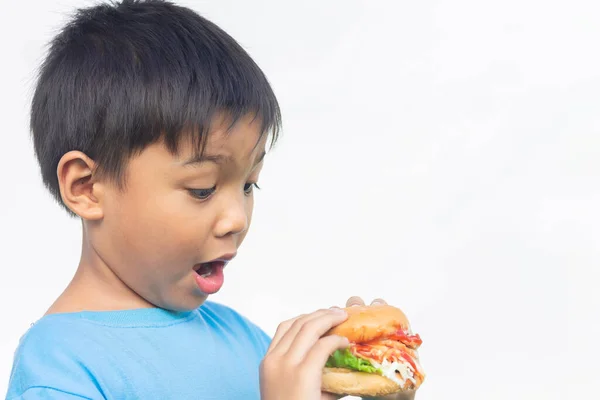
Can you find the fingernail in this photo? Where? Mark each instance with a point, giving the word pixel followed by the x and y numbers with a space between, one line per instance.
pixel 378 301
pixel 338 310
pixel 345 341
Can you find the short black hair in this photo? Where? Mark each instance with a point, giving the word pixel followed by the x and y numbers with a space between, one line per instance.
pixel 123 75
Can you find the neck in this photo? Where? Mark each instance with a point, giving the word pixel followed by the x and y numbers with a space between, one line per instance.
pixel 95 287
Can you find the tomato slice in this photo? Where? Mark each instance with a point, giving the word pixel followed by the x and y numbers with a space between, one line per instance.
pixel 391 349
pixel 412 341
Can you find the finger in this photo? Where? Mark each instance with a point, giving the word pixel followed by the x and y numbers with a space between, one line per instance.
pixel 311 332
pixel 320 352
pixel 282 329
pixel 355 301
pixel 289 336
pixel 378 301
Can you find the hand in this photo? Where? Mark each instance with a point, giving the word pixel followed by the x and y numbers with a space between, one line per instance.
pixel 357 301
pixel 293 365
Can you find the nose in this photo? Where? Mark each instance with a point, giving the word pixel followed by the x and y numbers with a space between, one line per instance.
pixel 233 217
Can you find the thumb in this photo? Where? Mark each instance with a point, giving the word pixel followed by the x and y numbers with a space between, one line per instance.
pixel 324 348
pixel 321 352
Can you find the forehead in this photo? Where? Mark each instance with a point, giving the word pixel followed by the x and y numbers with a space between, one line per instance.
pixel 241 141
pixel 239 146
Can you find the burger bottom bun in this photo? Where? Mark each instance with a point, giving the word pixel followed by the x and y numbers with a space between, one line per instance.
pixel 346 382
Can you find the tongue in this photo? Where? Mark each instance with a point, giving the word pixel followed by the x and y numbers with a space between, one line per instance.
pixel 210 284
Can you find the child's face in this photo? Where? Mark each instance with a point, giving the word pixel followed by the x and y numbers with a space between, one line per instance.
pixel 175 214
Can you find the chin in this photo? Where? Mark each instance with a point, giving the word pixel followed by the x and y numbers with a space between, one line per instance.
pixel 177 302
pixel 191 303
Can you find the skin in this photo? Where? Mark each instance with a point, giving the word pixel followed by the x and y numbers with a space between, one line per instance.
pixel 293 364
pixel 142 240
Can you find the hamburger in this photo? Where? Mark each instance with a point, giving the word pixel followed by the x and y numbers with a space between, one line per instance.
pixel 382 356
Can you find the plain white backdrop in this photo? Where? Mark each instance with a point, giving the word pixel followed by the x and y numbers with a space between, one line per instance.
pixel 443 155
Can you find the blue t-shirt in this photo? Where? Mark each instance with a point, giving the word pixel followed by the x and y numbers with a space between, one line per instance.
pixel 212 353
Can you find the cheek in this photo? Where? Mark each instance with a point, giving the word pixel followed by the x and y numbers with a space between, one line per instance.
pixel 249 212
pixel 154 232
pixel 250 209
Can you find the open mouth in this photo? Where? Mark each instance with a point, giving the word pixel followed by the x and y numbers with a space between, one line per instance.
pixel 207 269
pixel 209 276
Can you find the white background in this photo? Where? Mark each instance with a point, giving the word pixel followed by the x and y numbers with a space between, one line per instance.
pixel 443 155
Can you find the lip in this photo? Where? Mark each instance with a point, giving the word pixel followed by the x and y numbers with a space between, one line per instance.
pixel 212 282
pixel 225 258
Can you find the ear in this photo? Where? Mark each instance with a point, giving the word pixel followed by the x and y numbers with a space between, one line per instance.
pixel 78 189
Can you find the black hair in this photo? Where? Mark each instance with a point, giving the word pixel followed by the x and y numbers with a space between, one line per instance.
pixel 121 76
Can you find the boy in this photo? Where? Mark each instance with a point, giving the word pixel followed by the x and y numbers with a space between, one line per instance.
pixel 151 125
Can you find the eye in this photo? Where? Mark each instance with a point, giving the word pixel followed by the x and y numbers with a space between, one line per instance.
pixel 249 188
pixel 202 194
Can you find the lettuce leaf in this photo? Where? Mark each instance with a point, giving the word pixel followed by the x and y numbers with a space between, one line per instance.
pixel 345 359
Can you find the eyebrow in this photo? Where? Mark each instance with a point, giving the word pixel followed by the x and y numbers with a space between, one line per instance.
pixel 217 159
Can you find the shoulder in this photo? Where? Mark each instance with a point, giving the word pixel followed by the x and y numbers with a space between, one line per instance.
pixel 54 334
pixel 226 318
pixel 49 356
